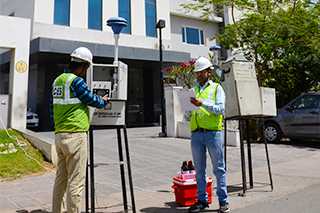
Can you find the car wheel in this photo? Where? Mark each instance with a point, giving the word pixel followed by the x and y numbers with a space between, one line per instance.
pixel 272 132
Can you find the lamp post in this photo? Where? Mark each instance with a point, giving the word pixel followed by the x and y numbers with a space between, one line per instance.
pixel 215 49
pixel 160 25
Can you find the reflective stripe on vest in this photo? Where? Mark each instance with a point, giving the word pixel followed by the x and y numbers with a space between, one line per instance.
pixel 66 98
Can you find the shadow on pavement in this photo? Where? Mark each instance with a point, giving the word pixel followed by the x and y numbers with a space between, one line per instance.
pixel 32 211
pixel 234 188
pixel 171 207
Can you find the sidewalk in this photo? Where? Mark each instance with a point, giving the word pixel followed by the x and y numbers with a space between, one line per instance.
pixel 155 160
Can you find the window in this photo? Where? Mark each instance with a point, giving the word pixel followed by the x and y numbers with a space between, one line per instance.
pixel 192 35
pixel 62 12
pixel 125 12
pixel 95 14
pixel 306 102
pixel 151 16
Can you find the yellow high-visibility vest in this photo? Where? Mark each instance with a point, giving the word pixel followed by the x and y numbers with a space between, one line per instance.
pixel 203 118
pixel 70 114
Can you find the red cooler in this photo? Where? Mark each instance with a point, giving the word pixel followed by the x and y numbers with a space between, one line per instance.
pixel 186 190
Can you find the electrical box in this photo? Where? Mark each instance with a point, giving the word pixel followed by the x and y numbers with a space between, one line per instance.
pixel 244 97
pixel 268 101
pixel 110 80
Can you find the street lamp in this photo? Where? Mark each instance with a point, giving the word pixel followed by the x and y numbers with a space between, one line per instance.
pixel 160 25
pixel 215 49
pixel 117 24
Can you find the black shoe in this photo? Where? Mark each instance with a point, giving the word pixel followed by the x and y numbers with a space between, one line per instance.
pixel 198 206
pixel 224 208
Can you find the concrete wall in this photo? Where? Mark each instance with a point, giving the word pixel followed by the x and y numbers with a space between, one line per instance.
pixel 43 11
pixel 15 35
pixel 18 8
pixel 177 9
pixel 4 105
pixel 44 144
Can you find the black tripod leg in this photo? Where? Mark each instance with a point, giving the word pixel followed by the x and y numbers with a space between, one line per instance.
pixel 243 164
pixel 87 188
pixel 91 153
pixel 225 144
pixel 267 155
pixel 129 169
pixel 249 155
pixel 123 181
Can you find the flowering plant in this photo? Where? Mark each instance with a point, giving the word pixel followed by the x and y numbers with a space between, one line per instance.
pixel 181 74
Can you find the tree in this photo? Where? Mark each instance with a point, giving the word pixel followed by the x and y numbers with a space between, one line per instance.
pixel 282 37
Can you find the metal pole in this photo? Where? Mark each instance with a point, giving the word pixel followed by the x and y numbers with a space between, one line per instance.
pixel 163 108
pixel 243 164
pixel 249 155
pixel 91 153
pixel 225 144
pixel 129 169
pixel 116 48
pixel 267 155
pixel 87 189
pixel 123 181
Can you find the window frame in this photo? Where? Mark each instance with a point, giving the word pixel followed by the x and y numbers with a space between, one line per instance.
pixel 201 36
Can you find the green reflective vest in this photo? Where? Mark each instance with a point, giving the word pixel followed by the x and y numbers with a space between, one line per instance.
pixel 203 118
pixel 70 115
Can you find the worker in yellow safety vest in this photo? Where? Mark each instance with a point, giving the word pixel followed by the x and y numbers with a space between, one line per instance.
pixel 206 124
pixel 71 97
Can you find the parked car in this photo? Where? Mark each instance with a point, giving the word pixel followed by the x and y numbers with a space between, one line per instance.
pixel 299 119
pixel 32 119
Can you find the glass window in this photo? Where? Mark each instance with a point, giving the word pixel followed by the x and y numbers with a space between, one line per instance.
pixel 95 14
pixel 151 18
pixel 192 35
pixel 125 12
pixel 62 12
pixel 306 102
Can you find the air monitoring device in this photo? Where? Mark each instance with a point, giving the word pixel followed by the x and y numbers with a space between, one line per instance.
pixel 109 80
pixel 244 97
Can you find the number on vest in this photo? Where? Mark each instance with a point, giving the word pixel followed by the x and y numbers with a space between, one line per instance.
pixel 57 91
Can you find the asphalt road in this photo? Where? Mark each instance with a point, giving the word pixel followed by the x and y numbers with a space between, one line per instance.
pixel 303 201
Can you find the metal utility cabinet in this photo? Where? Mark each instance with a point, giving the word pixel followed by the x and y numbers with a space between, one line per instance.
pixel 244 97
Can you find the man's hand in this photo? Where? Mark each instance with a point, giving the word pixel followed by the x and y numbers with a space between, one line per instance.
pixel 105 98
pixel 195 101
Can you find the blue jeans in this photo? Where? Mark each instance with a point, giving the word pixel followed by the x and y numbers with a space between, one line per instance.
pixel 213 141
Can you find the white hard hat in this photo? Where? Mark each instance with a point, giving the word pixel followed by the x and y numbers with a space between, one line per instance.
pixel 81 54
pixel 201 64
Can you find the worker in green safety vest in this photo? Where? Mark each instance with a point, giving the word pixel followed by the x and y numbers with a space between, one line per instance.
pixel 71 98
pixel 206 124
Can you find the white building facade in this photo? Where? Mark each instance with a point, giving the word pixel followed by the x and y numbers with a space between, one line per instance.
pixel 59 26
